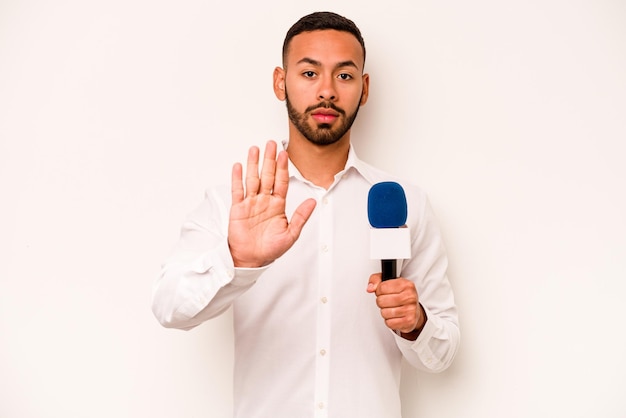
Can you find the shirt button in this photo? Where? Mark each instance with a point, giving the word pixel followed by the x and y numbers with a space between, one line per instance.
pixel 322 352
pixel 325 200
pixel 324 299
pixel 324 248
pixel 320 405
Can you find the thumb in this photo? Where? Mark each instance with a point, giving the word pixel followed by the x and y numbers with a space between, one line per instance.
pixel 373 283
pixel 300 217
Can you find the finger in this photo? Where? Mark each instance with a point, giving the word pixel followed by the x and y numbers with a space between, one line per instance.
pixel 268 171
pixel 406 313
pixel 300 217
pixel 281 182
pixel 399 324
pixel 374 281
pixel 393 300
pixel 252 172
pixel 404 319
pixel 396 286
pixel 392 313
pixel 386 301
pixel 236 188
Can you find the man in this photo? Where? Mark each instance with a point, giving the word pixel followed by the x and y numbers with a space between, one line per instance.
pixel 317 333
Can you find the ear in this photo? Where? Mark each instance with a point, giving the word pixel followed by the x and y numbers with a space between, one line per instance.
pixel 279 83
pixel 366 89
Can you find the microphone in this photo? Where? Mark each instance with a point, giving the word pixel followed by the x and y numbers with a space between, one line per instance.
pixel 389 237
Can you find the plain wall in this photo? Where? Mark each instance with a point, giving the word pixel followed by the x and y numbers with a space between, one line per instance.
pixel 116 115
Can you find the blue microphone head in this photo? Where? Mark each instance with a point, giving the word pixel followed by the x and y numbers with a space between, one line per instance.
pixel 386 205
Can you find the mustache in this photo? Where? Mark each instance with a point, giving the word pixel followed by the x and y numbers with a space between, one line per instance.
pixel 325 105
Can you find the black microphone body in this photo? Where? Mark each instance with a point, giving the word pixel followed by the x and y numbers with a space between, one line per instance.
pixel 389 269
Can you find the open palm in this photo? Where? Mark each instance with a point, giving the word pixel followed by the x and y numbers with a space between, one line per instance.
pixel 259 231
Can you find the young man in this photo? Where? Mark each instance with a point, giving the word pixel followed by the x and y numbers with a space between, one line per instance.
pixel 317 333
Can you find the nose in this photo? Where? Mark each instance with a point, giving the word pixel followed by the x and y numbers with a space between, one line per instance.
pixel 327 89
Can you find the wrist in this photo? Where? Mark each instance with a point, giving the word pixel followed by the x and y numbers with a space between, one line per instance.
pixel 412 336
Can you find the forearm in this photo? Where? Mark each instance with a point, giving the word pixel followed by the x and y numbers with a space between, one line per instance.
pixel 438 341
pixel 199 281
pixel 191 291
pixel 436 345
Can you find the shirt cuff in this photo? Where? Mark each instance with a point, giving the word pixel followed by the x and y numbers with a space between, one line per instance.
pixel 421 346
pixel 245 276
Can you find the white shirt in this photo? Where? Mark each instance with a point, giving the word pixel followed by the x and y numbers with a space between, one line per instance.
pixel 309 340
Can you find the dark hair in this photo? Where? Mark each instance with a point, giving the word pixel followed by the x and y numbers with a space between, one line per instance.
pixel 322 21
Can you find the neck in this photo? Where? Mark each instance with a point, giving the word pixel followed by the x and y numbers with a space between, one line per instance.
pixel 318 163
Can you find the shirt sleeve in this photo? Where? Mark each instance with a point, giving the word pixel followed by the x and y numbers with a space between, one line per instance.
pixel 199 281
pixel 437 345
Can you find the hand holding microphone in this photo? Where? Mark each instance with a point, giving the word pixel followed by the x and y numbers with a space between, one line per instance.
pixel 389 241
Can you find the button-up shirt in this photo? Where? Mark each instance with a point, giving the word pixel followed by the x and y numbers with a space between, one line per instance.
pixel 309 340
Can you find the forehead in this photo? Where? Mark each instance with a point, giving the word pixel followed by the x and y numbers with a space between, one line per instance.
pixel 325 46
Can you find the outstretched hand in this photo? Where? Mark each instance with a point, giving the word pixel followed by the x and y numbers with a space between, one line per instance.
pixel 259 231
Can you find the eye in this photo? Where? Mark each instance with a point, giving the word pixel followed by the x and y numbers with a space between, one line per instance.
pixel 345 76
pixel 309 74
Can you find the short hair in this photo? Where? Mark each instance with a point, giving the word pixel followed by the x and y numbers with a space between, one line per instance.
pixel 322 21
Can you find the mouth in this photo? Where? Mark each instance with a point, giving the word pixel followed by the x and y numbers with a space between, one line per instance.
pixel 324 115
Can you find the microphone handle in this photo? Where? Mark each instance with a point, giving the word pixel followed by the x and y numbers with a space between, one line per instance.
pixel 388 268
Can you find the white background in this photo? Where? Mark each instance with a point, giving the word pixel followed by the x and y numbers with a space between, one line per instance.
pixel 115 115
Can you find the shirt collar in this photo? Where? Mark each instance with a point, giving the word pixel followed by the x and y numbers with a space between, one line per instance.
pixel 353 163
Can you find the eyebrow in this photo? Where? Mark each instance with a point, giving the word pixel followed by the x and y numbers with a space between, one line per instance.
pixel 348 63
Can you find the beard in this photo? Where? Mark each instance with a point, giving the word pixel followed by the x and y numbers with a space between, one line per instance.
pixel 323 133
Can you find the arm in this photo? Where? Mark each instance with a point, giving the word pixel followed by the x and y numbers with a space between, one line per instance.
pixel 221 253
pixel 421 303
pixel 199 281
